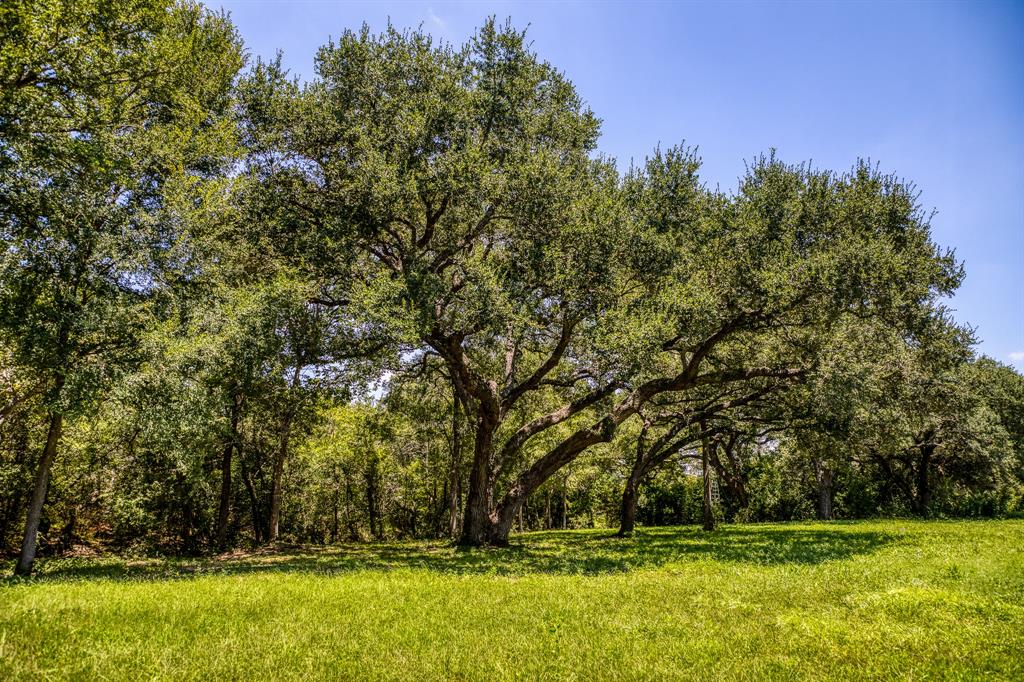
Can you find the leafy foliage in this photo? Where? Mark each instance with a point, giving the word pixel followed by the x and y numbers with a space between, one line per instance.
pixel 409 298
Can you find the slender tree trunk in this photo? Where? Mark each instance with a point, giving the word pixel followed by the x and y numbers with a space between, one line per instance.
pixel 334 518
pixel 371 498
pixel 35 508
pixel 224 509
pixel 350 521
pixel 68 532
pixel 454 482
pixel 709 513
pixel 276 484
pixel 565 505
pixel 825 476
pixel 521 512
pixel 336 494
pixel 12 507
pixel 924 491
pixel 278 473
pixel 547 511
pixel 627 520
pixel 257 516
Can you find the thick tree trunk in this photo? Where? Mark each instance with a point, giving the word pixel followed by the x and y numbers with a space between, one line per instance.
pixel 627 519
pixel 501 527
pixel 477 523
pixel 630 497
pixel 224 509
pixel 709 513
pixel 631 491
pixel 35 508
pixel 825 502
pixel 501 519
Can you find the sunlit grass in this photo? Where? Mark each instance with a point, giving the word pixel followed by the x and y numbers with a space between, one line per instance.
pixel 860 600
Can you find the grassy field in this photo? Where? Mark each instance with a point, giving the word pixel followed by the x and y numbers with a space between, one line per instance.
pixel 905 599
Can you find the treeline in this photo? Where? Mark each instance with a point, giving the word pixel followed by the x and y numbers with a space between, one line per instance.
pixel 409 298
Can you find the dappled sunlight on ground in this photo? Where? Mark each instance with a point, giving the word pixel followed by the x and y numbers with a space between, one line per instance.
pixel 587 552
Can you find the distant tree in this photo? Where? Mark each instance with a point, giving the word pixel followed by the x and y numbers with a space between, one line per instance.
pixel 932 431
pixel 1002 389
pixel 707 418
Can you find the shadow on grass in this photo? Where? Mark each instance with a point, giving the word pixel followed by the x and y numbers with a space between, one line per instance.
pixel 580 552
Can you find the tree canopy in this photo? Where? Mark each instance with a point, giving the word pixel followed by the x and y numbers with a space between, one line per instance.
pixel 410 296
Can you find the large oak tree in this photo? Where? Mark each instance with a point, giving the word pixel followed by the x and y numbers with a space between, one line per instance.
pixel 452 196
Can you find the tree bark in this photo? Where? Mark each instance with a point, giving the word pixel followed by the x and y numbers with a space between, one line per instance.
pixel 627 520
pixel 825 503
pixel 730 471
pixel 278 473
pixel 35 508
pixel 334 508
pixel 350 521
pixel 257 516
pixel 371 498
pixel 565 505
pixel 276 484
pixel 709 513
pixel 224 509
pixel 631 495
pixel 547 511
pixel 454 482
pixel 924 491
pixel 477 523
pixel 825 475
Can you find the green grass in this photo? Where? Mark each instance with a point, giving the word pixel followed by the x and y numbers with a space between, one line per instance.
pixel 905 599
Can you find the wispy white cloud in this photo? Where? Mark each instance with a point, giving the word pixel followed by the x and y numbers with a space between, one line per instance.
pixel 436 20
pixel 1017 357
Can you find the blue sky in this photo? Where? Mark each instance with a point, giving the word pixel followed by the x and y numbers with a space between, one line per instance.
pixel 931 91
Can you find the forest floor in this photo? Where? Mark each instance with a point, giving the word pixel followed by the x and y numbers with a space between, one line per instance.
pixel 858 600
